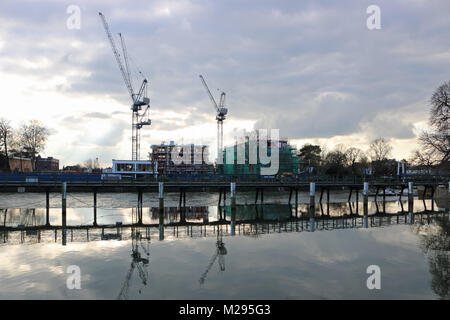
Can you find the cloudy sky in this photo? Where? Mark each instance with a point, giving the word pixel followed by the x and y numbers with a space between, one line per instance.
pixel 310 68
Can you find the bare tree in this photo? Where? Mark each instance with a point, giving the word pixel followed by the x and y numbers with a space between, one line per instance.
pixel 33 137
pixel 96 164
pixel 88 164
pixel 91 164
pixel 336 161
pixel 435 143
pixel 6 138
pixel 380 150
pixel 353 155
pixel 440 108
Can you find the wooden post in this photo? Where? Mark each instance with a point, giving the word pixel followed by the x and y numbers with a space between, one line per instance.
pixel 233 207
pixel 139 206
pixel 312 205
pixel 424 196
pixel 161 210
pixel 63 211
pixel 432 198
pixel 161 196
pixel 366 204
pixel 357 201
pixel 47 208
pixel 233 194
pixel 95 207
pixel 183 209
pixel 448 201
pixel 328 201
pixel 161 225
pixel 410 203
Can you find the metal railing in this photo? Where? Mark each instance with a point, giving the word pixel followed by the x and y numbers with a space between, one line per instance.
pixel 36 178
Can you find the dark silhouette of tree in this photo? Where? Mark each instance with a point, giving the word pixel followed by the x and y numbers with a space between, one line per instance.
pixel 354 155
pixel 436 245
pixel 380 149
pixel 32 138
pixel 336 162
pixel 6 140
pixel 309 155
pixel 435 143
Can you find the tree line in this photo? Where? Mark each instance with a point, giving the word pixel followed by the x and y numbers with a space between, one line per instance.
pixel 344 161
pixel 26 141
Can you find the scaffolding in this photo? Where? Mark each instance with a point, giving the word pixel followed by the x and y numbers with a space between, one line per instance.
pixel 288 161
pixel 197 158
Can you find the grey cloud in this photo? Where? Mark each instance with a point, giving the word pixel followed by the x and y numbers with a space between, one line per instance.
pixel 272 58
pixel 98 115
pixel 388 127
pixel 110 137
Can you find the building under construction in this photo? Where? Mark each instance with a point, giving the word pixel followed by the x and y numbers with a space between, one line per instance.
pixel 288 161
pixel 167 158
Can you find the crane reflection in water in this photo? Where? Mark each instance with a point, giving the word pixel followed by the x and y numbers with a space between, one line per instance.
pixel 138 261
pixel 220 253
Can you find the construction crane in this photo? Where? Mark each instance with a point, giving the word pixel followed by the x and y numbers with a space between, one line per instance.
pixel 220 116
pixel 221 251
pixel 139 100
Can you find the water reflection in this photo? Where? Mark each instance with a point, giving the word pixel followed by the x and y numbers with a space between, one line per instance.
pixel 435 242
pixel 219 253
pixel 269 224
pixel 138 261
pixel 84 224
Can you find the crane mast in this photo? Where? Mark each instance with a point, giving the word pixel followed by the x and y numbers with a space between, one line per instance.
pixel 139 100
pixel 220 117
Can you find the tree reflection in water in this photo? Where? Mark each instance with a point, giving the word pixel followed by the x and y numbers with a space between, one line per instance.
pixel 435 242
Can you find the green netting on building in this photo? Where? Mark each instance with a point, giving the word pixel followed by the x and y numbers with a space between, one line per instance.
pixel 288 161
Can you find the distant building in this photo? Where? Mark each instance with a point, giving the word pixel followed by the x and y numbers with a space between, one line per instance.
pixel 18 164
pixel 167 158
pixel 288 161
pixel 47 164
pixel 75 168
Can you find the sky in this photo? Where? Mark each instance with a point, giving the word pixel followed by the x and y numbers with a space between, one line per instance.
pixel 312 69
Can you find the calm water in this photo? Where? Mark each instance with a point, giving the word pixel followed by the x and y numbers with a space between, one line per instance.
pixel 270 254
